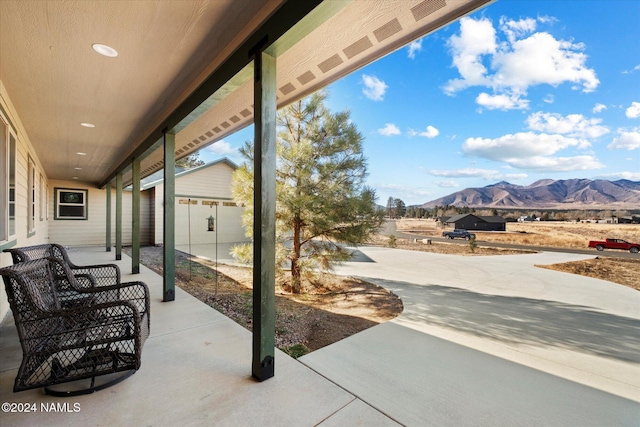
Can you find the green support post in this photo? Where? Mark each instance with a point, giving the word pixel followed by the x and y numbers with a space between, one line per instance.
pixel 264 218
pixel 169 225
pixel 108 234
pixel 119 216
pixel 135 218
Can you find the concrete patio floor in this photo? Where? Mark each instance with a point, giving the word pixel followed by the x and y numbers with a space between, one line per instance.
pixel 196 371
pixel 443 362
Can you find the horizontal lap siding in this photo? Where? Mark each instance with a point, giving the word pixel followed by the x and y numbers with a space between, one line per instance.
pixel 91 232
pixel 24 151
pixel 211 184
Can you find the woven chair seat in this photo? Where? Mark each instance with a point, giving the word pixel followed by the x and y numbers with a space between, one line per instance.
pixel 74 332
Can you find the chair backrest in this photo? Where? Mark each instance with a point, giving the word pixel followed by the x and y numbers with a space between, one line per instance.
pixel 31 288
pixel 29 253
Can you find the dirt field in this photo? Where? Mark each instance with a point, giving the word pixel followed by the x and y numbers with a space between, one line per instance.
pixel 622 271
pixel 442 247
pixel 553 234
pixel 556 234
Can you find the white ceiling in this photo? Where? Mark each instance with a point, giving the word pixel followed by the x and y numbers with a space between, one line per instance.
pixel 166 49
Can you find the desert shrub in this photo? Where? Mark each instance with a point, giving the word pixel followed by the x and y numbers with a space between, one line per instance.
pixel 473 244
pixel 296 350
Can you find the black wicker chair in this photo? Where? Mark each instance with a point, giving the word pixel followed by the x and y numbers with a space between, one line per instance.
pixel 87 275
pixel 77 340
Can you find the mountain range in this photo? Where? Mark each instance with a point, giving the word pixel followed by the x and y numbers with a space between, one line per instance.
pixel 549 194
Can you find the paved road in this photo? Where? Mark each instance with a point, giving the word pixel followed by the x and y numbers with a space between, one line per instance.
pixel 487 341
pixel 389 228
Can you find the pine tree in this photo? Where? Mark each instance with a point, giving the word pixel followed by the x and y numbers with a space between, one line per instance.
pixel 321 197
pixel 400 208
pixel 191 161
pixel 391 207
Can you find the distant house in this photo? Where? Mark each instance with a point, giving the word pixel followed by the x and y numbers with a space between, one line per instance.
pixel 474 222
pixel 205 211
pixel 633 219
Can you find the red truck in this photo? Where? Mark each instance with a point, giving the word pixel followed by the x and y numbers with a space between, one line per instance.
pixel 615 244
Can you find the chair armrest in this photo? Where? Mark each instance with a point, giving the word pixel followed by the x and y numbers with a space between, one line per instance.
pixel 104 274
pixel 136 293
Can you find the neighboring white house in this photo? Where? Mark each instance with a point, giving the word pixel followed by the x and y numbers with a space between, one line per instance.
pixel 205 210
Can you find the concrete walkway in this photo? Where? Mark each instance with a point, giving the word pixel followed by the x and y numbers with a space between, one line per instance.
pixel 486 341
pixel 196 371
pixel 482 341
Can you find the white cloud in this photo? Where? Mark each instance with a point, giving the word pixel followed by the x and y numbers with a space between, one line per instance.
pixel 502 102
pixel 517 63
pixel 414 46
pixel 549 99
pixel 514 29
pixel 514 176
pixel 477 38
pixel 575 125
pixel 410 195
pixel 519 145
pixel 389 129
pixel 629 140
pixel 557 164
pixel 466 173
pixel 541 59
pixel 488 174
pixel 633 112
pixel 545 19
pixel 431 132
pixel 374 88
pixel 446 184
pixel 531 151
pixel 634 69
pixel 223 148
pixel 631 176
pixel 599 108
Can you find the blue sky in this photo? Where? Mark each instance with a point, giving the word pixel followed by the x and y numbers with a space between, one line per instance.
pixel 518 91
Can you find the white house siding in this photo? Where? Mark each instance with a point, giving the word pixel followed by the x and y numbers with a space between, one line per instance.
pixel 24 151
pixel 91 232
pixel 203 186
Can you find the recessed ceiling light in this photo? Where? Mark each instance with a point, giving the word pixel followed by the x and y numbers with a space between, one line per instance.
pixel 78 169
pixel 75 177
pixel 80 153
pixel 88 125
pixel 105 50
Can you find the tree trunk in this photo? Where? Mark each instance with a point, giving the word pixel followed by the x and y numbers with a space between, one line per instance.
pixel 296 283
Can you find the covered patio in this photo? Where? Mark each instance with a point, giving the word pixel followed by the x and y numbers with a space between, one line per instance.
pixel 163 80
pixel 195 371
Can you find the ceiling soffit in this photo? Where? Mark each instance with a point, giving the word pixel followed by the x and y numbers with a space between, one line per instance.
pixel 359 33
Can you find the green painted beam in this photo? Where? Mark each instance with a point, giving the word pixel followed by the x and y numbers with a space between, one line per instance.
pixel 264 217
pixel 169 224
pixel 108 233
pixel 119 217
pixel 135 218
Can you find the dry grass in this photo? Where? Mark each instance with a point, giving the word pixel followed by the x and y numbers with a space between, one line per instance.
pixel 622 271
pixel 442 247
pixel 553 234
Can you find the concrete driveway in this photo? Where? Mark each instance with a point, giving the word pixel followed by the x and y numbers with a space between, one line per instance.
pixel 486 341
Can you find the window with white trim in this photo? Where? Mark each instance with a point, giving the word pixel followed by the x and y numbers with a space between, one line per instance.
pixel 31 202
pixel 70 203
pixel 7 181
pixel 41 203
